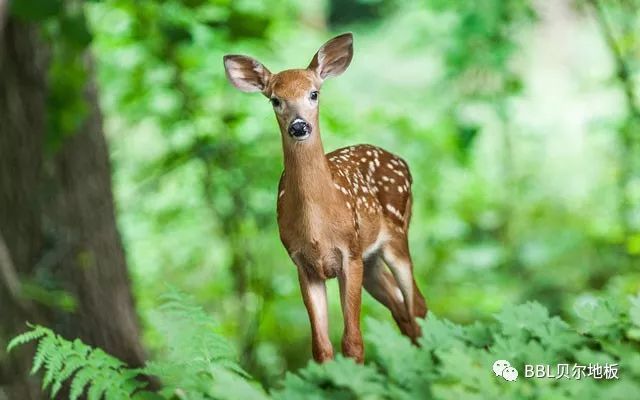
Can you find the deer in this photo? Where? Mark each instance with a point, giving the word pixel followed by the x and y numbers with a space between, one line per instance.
pixel 344 214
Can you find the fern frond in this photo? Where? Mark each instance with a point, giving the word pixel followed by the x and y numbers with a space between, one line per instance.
pixel 80 380
pixel 29 336
pixel 42 351
pixel 57 350
pixel 197 359
pixel 73 363
pixel 100 384
pixel 93 370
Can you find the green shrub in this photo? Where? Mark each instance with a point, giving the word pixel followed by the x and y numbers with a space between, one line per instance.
pixel 453 361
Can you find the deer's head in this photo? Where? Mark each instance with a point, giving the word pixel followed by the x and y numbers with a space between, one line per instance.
pixel 294 93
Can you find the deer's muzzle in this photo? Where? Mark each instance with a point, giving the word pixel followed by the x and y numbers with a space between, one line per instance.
pixel 299 129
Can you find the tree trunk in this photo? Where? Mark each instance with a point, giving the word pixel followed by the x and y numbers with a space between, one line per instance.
pixel 58 236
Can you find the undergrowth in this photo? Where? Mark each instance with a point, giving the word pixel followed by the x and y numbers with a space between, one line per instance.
pixel 453 361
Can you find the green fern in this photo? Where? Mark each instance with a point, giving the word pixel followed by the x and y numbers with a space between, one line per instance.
pixel 83 366
pixel 197 361
pixel 36 332
pixel 453 361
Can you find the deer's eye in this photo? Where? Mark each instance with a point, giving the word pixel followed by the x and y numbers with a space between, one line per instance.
pixel 275 102
pixel 314 95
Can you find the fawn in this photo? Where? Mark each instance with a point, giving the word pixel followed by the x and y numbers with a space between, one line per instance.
pixel 344 214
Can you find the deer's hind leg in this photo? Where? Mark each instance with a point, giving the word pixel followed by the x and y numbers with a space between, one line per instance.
pixel 396 255
pixel 380 284
pixel 420 305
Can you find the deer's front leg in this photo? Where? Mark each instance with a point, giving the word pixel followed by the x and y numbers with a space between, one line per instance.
pixel 350 279
pixel 314 294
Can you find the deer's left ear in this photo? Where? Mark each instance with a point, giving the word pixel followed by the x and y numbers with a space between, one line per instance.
pixel 334 57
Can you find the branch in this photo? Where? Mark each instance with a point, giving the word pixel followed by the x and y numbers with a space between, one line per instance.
pixel 623 70
pixel 9 277
pixel 628 131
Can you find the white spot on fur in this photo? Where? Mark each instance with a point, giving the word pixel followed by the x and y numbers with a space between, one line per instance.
pixel 394 211
pixel 375 246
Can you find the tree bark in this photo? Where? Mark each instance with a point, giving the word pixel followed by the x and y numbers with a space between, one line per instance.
pixel 57 222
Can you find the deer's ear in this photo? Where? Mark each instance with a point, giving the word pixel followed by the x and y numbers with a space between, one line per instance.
pixel 246 73
pixel 334 57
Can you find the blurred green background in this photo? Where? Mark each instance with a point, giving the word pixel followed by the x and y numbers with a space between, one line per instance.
pixel 519 120
pixel 509 114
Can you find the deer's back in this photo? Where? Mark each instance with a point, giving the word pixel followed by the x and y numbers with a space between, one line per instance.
pixel 377 183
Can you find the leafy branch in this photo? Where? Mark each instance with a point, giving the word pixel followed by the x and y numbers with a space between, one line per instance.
pixel 623 70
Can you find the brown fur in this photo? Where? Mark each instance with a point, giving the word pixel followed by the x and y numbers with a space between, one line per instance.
pixel 292 83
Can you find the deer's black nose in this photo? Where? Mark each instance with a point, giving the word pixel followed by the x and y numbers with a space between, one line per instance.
pixel 299 129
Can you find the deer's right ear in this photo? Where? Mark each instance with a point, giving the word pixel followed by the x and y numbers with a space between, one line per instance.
pixel 246 73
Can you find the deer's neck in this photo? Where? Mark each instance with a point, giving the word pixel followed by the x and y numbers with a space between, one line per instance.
pixel 306 172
